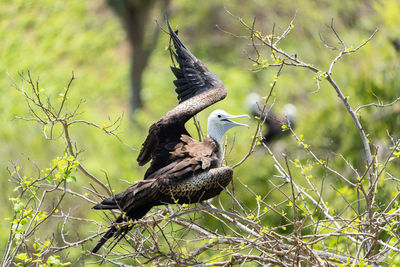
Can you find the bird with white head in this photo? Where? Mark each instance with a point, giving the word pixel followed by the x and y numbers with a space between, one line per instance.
pixel 182 169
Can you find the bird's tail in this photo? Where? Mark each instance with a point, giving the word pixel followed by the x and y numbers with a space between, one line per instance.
pixel 113 229
pixel 118 232
pixel 140 194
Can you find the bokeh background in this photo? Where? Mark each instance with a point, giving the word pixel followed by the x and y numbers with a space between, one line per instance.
pixel 52 39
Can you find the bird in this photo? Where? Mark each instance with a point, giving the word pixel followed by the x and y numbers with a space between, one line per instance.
pixel 274 122
pixel 182 169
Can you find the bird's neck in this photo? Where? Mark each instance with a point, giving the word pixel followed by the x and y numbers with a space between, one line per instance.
pixel 219 152
pixel 217 133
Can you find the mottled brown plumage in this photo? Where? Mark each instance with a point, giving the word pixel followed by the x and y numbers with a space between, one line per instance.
pixel 182 169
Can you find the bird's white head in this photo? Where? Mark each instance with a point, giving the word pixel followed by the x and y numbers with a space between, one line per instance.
pixel 289 110
pixel 219 122
pixel 255 103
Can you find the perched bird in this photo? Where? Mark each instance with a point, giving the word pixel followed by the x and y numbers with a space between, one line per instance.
pixel 182 169
pixel 273 122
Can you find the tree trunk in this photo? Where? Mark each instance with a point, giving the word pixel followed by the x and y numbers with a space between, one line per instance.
pixel 142 34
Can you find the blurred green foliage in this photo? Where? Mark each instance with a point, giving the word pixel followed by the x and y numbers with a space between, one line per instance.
pixel 54 38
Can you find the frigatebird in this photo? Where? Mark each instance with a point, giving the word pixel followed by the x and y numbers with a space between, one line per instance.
pixel 182 169
pixel 273 121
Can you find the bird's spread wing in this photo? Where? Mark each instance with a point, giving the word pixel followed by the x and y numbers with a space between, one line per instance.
pixel 192 76
pixel 197 88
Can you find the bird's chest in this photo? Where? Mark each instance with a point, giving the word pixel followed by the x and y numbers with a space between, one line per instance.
pixel 199 187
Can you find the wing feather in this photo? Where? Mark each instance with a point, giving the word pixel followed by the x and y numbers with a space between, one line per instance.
pixel 197 88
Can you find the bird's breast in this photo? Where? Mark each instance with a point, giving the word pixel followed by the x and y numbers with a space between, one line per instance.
pixel 199 187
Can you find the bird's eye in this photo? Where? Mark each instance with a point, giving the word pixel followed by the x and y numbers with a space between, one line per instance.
pixel 219 116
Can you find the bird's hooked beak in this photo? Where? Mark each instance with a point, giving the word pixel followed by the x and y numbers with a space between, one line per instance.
pixel 229 117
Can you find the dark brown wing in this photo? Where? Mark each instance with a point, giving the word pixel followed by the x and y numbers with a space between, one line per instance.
pixel 197 89
pixel 171 188
pixel 192 76
pixel 190 160
pixel 138 199
pixel 192 176
pixel 190 157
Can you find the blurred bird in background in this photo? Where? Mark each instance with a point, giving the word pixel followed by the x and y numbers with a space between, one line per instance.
pixel 273 122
